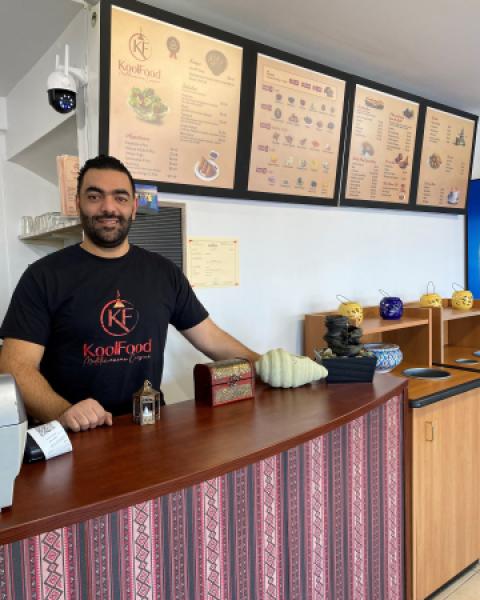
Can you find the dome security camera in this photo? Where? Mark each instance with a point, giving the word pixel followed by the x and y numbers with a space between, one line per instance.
pixel 63 84
pixel 62 92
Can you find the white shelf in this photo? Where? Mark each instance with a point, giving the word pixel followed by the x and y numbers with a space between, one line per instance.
pixel 59 233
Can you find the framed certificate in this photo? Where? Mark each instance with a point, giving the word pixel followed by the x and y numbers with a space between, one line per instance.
pixel 380 148
pixel 445 159
pixel 297 131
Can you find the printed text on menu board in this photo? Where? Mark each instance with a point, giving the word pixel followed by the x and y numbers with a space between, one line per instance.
pixel 174 102
pixel 381 147
pixel 296 131
pixel 445 161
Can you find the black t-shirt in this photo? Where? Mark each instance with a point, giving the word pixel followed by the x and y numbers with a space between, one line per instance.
pixel 103 321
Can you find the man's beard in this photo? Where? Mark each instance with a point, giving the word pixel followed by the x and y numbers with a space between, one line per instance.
pixel 105 236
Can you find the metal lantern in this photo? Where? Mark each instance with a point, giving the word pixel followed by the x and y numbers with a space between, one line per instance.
pixel 146 405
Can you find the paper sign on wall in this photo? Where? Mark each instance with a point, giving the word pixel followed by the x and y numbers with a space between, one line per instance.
pixel 213 262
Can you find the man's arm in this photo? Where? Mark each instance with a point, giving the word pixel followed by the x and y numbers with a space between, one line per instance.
pixel 22 360
pixel 216 343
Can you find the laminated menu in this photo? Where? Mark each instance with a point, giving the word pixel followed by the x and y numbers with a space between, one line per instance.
pixel 445 160
pixel 382 144
pixel 296 130
pixel 67 171
pixel 174 102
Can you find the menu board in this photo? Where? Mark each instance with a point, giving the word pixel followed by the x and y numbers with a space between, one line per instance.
pixel 445 161
pixel 296 130
pixel 382 145
pixel 174 102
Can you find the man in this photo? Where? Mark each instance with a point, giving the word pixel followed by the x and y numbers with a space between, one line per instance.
pixel 87 325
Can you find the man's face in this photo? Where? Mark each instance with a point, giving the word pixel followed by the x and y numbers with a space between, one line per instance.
pixel 107 207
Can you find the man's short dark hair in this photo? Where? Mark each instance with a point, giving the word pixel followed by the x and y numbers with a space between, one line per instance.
pixel 102 161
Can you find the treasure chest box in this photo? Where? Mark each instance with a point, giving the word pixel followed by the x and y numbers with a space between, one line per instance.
pixel 224 381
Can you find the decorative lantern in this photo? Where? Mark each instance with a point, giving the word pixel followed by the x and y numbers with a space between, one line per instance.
pixel 146 405
pixel 352 310
pixel 461 299
pixel 431 299
pixel 391 307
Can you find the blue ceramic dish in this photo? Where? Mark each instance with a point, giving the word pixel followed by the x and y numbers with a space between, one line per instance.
pixel 388 356
pixel 391 308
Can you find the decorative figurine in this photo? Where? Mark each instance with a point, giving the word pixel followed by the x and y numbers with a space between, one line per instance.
pixel 279 368
pixel 462 299
pixel 391 307
pixel 431 299
pixel 346 359
pixel 350 309
pixel 146 405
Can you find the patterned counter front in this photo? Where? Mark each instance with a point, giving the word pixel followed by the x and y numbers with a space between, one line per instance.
pixel 323 520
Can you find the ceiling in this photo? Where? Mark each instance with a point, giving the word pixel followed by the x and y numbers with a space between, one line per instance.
pixel 427 47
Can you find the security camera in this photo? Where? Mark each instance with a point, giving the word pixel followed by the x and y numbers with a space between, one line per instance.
pixel 62 85
pixel 62 92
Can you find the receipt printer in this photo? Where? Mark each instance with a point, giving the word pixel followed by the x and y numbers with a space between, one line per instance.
pixel 13 433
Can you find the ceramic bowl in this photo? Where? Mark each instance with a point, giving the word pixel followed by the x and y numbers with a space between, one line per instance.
pixel 388 356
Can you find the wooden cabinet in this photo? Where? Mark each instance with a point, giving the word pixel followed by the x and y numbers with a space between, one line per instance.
pixel 445 490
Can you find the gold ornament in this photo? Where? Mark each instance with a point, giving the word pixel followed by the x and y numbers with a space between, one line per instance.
pixel 430 299
pixel 461 299
pixel 352 310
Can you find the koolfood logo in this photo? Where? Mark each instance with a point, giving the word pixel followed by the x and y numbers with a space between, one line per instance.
pixel 141 50
pixel 139 46
pixel 118 318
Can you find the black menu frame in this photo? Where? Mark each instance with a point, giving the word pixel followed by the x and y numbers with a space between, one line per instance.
pixel 392 92
pixel 420 136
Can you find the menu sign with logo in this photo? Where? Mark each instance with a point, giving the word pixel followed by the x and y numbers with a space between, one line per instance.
pixel 296 130
pixel 445 160
pixel 174 102
pixel 382 146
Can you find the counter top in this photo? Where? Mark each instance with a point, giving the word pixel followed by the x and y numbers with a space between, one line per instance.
pixel 422 392
pixel 114 467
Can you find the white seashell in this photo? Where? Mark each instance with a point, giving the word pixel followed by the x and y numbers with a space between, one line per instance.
pixel 279 368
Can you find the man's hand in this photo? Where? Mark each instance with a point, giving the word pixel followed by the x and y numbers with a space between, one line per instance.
pixel 86 414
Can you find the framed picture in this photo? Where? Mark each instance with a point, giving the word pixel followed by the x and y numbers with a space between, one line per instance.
pixel 381 152
pixel 170 98
pixel 447 142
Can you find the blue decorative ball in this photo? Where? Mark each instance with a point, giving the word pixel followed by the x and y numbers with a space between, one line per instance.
pixel 391 308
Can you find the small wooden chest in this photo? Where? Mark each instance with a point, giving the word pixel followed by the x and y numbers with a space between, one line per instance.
pixel 224 381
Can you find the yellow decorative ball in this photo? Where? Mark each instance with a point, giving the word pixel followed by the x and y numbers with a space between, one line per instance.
pixel 353 311
pixel 462 300
pixel 431 300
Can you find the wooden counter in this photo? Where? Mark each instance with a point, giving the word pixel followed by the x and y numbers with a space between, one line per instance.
pixel 111 468
pixel 296 494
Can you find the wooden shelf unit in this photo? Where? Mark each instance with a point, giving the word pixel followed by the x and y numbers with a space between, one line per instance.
pixel 454 328
pixel 412 332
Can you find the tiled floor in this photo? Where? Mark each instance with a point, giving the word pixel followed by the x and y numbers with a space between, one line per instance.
pixel 466 587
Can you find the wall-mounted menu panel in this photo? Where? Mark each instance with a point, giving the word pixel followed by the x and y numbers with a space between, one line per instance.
pixel 381 148
pixel 174 102
pixel 297 126
pixel 445 160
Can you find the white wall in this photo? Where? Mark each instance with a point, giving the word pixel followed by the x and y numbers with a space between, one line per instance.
pixel 29 115
pixel 296 259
